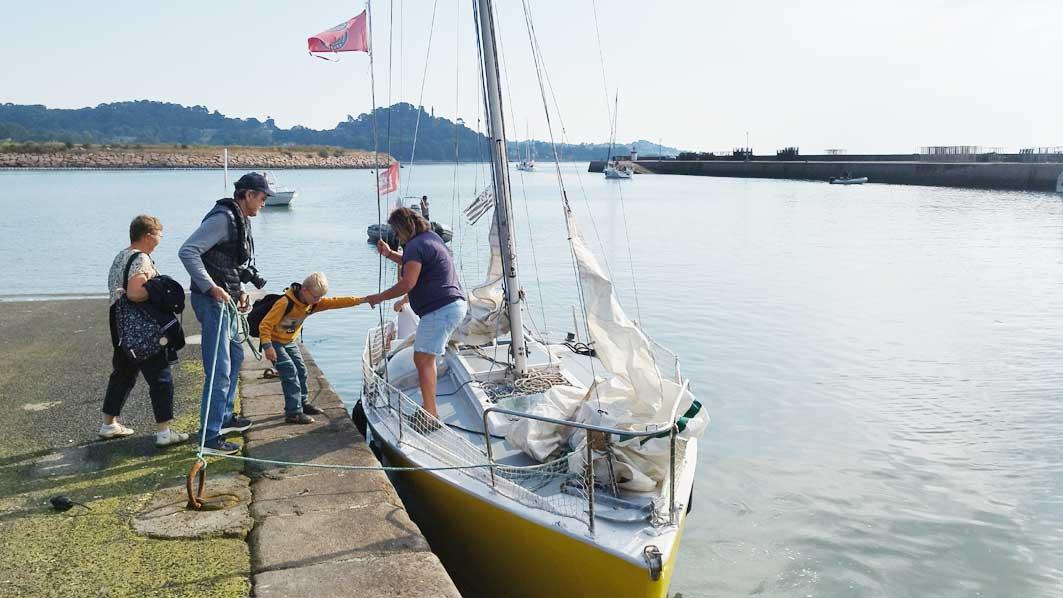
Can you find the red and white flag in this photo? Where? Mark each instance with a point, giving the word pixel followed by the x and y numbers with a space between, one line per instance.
pixel 388 180
pixel 349 36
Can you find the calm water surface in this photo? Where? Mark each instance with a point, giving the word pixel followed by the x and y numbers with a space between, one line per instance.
pixel 881 363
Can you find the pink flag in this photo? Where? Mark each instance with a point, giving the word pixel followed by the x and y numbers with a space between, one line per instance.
pixel 388 180
pixel 349 36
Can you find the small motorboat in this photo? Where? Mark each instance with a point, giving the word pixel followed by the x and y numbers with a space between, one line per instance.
pixel 375 232
pixel 280 197
pixel 834 180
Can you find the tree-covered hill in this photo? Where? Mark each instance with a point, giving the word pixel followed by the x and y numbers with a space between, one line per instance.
pixel 150 122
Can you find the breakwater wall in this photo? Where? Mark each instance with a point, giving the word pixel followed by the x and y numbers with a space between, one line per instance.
pixel 193 159
pixel 977 175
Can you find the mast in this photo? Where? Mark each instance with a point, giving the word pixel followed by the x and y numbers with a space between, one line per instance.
pixel 484 13
pixel 612 133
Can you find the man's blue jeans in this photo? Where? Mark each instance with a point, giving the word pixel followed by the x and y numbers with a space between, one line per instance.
pixel 230 355
pixel 292 370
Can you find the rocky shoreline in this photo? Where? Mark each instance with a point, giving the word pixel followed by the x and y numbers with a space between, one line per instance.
pixel 239 158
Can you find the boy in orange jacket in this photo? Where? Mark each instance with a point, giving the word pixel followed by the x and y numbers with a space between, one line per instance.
pixel 278 331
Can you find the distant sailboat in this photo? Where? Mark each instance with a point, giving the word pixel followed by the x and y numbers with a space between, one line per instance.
pixel 528 163
pixel 613 168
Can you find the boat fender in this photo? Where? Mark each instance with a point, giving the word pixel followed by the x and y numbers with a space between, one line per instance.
pixel 1059 183
pixel 652 555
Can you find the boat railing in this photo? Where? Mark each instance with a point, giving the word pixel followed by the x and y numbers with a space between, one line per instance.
pixel 417 432
pixel 665 357
pixel 403 418
pixel 654 430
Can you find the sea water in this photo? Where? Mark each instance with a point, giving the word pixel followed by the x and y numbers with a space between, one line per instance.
pixel 881 363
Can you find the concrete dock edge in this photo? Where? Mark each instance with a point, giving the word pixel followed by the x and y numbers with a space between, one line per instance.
pixel 326 532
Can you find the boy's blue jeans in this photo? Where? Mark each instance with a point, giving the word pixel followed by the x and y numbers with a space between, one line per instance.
pixel 292 370
pixel 230 355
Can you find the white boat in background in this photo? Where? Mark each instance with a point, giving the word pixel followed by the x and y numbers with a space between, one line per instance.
pixel 280 197
pixel 615 170
pixel 528 163
pixel 553 468
pixel 848 180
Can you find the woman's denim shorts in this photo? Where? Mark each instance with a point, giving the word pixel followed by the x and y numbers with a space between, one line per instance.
pixel 435 328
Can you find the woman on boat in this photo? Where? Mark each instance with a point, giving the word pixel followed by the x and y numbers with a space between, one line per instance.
pixel 431 286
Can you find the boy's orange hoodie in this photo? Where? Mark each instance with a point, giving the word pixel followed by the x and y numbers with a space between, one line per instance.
pixel 281 328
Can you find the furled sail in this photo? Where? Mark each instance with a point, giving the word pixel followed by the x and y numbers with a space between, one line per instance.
pixel 634 395
pixel 486 319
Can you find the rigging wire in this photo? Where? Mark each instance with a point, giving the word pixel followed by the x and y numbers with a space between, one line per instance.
pixel 620 188
pixel 391 45
pixel 539 67
pixel 601 61
pixel 376 158
pixel 544 73
pixel 420 98
pixel 524 194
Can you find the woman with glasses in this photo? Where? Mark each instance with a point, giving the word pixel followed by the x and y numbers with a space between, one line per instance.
pixel 131 269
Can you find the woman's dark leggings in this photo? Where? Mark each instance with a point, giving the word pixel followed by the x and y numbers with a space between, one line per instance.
pixel 156 371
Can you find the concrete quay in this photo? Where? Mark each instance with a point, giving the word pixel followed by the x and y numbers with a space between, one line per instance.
pixel 974 175
pixel 295 532
pixel 326 532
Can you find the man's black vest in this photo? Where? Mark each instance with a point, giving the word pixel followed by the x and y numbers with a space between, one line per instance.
pixel 225 260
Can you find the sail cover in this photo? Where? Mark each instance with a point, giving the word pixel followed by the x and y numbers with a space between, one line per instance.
pixel 633 396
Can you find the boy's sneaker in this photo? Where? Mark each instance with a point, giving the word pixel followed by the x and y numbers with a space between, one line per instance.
pixel 115 430
pixel 219 446
pixel 309 409
pixel 298 418
pixel 236 424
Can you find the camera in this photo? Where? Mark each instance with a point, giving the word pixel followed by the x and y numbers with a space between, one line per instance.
pixel 250 275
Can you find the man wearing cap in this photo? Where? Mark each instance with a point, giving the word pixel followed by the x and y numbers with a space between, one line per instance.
pixel 218 255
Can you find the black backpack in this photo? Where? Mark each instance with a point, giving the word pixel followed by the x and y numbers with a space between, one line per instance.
pixel 260 308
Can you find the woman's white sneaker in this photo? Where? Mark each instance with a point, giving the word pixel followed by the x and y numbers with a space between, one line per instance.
pixel 115 430
pixel 169 437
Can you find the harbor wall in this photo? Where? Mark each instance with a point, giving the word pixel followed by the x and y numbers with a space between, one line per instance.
pixel 193 158
pixel 977 175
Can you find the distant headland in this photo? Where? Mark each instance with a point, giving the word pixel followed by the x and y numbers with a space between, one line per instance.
pixel 168 133
pixel 138 156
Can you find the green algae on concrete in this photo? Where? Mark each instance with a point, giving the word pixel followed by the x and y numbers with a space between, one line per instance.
pixel 96 552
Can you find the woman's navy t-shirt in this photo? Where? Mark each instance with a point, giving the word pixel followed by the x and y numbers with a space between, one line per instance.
pixel 438 283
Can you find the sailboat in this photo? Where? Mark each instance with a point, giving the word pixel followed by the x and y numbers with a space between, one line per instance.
pixel 527 164
pixel 613 169
pixel 554 468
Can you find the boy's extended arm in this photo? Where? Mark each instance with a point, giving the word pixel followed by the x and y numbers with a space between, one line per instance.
pixel 271 319
pixel 337 303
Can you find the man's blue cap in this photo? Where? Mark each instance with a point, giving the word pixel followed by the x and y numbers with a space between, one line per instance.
pixel 255 182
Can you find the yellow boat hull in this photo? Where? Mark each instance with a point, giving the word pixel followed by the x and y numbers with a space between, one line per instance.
pixel 491 552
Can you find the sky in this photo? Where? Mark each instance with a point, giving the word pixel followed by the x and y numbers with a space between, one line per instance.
pixel 867 77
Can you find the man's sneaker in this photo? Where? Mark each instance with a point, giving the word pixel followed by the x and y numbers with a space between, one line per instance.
pixel 115 430
pixel 298 418
pixel 220 447
pixel 236 424
pixel 309 409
